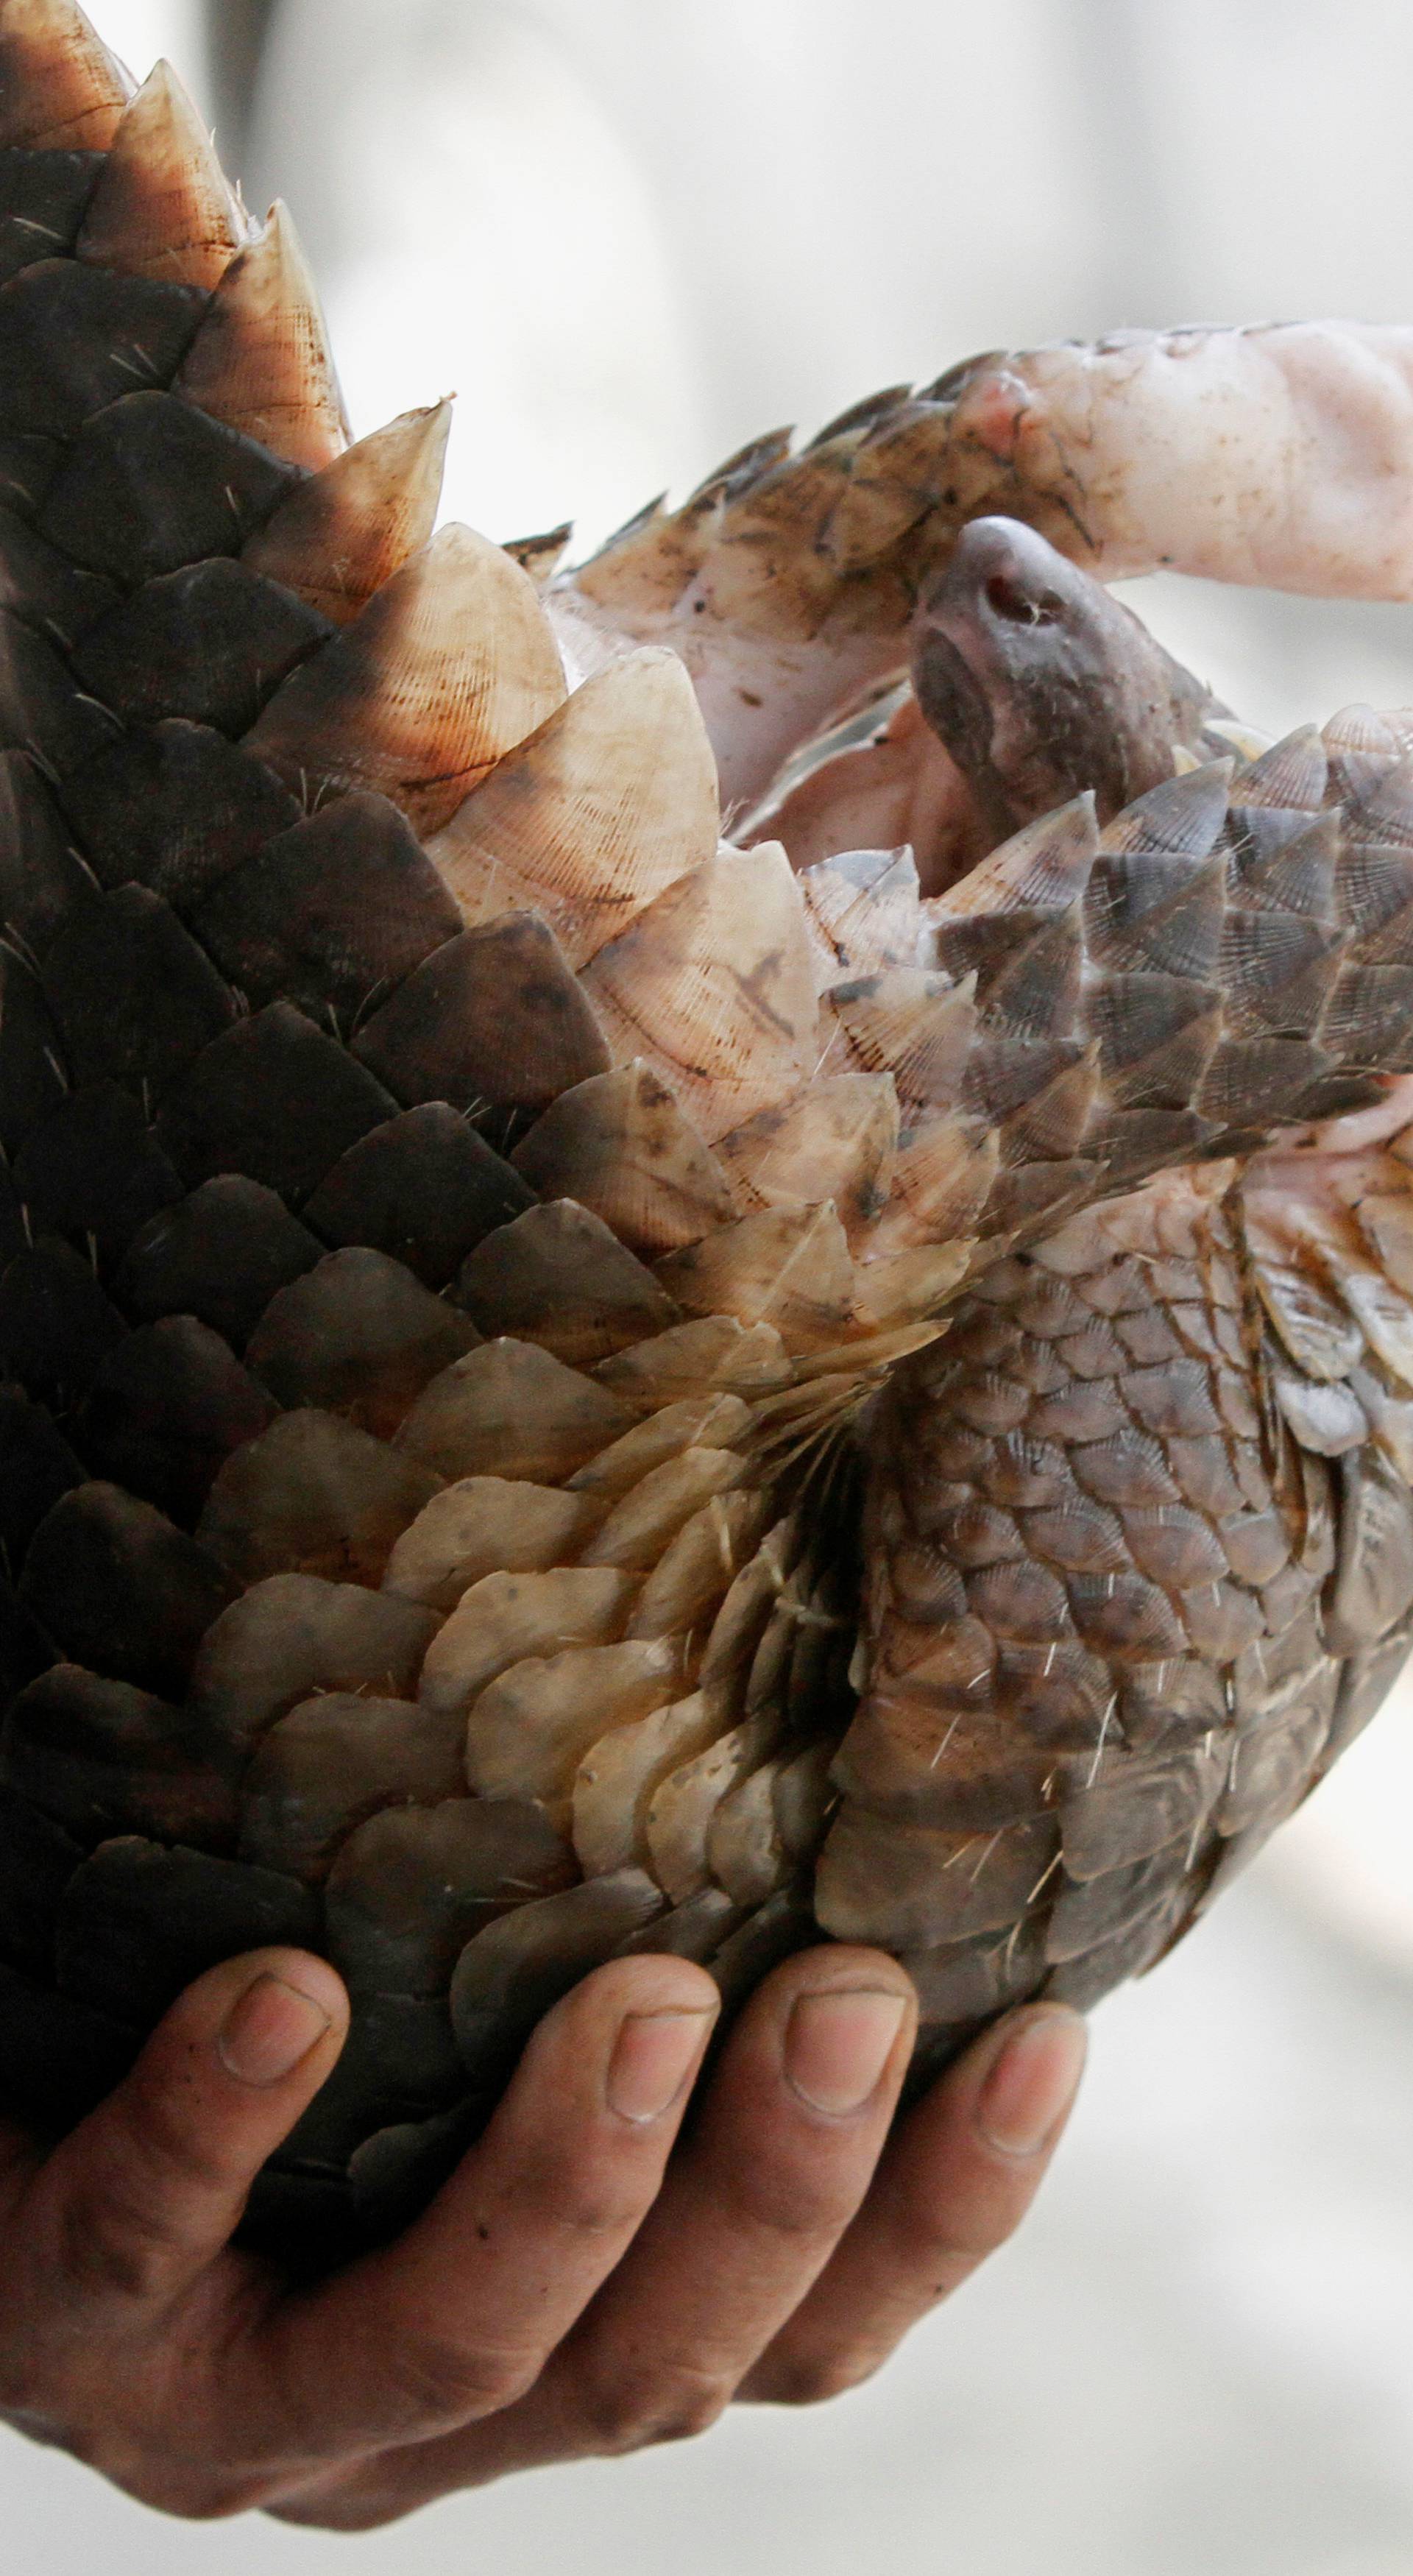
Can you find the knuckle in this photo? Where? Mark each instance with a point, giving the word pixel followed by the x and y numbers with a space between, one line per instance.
pixel 127 2218
pixel 581 2199
pixel 194 2496
pixel 117 2244
pixel 673 2402
pixel 804 2208
pixel 90 2421
pixel 436 2380
pixel 964 2237
pixel 190 2490
pixel 812 2379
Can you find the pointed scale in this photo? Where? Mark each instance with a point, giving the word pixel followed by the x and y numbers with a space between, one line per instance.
pixel 620 1145
pixel 863 910
pixel 340 536
pixel 714 985
pixel 606 805
pixel 540 556
pixel 789 1267
pixel 261 362
pixel 917 1026
pixel 942 1179
pixel 60 88
pixel 162 207
pixel 445 669
pixel 836 1140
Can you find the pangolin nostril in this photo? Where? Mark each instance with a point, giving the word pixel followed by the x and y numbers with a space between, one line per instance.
pixel 1011 600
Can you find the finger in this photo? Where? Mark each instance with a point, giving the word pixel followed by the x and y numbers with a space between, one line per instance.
pixel 455 2321
pixel 785 2150
pixel 754 2203
pixel 135 2202
pixel 953 2184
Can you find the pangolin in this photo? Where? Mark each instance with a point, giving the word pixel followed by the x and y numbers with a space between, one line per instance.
pixel 570 1385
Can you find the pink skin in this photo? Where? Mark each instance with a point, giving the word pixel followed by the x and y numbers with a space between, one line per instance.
pixel 1275 455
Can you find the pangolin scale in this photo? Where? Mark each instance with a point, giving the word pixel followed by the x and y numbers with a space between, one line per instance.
pixel 570 1386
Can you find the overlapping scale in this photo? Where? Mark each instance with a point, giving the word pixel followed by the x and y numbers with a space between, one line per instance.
pixel 260 360
pixel 161 206
pixel 337 537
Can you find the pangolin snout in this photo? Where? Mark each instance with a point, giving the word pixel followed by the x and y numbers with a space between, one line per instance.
pixel 1000 574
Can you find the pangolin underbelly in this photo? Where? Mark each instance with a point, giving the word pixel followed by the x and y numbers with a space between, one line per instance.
pixel 569 1386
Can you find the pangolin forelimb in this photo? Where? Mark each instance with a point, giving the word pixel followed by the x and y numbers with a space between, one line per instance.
pixel 1276 454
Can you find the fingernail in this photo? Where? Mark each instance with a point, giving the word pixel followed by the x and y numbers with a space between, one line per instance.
pixel 653 2056
pixel 837 2044
pixel 1032 2084
pixel 266 2034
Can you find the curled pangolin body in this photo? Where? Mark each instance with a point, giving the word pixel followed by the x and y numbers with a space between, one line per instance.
pixel 488 1480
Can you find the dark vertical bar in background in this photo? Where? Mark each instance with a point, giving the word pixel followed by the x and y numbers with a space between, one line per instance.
pixel 237 32
pixel 1139 273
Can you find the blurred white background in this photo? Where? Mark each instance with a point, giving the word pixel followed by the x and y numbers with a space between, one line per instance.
pixel 630 234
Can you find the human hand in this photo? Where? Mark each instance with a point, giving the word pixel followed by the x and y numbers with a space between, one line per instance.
pixel 564 2295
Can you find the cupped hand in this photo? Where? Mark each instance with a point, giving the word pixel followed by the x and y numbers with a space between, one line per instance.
pixel 568 2293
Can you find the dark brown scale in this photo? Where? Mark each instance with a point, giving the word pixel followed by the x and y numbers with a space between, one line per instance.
pixel 512 1971
pixel 210 643
pixel 173 807
pixel 150 484
pixel 119 1588
pixel 133 997
pixel 37 1860
pixel 493 1017
pixel 140 1919
pixel 101 1758
pixel 58 2057
pixel 357 1335
pixel 42 201
pixel 90 1170
pixel 559 1276
pixel 232 1113
pixel 27 468
pixel 57 1325
pixel 333 1762
pixel 784 1924
pixel 37 1465
pixel 75 338
pixel 332 914
pixel 40 585
pixel 399 2063
pixel 42 877
pixel 410 1887
pixel 313 1495
pixel 294 1634
pixel 41 711
pixel 25 1651
pixel 424 1188
pixel 165 1411
pixel 221 1255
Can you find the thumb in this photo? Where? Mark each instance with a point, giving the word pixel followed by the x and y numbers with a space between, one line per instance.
pixel 139 2199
